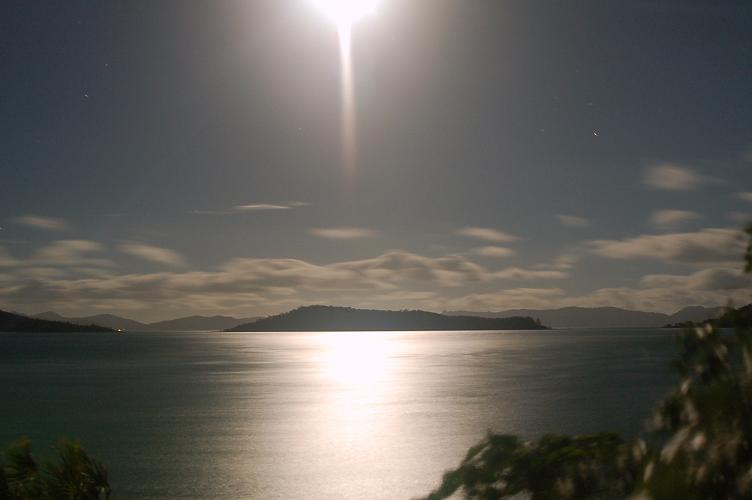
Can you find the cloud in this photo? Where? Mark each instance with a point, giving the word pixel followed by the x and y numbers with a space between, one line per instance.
pixel 657 293
pixel 270 206
pixel 674 177
pixel 745 195
pixel 394 279
pixel 255 283
pixel 706 279
pixel 153 254
pixel 565 261
pixel 41 222
pixel 262 206
pixel 671 219
pixel 495 252
pixel 562 262
pixel 705 247
pixel 395 267
pixel 69 253
pixel 516 273
pixel 343 233
pixel 253 207
pixel 572 220
pixel 487 234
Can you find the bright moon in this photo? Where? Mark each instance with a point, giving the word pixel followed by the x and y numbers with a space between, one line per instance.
pixel 346 12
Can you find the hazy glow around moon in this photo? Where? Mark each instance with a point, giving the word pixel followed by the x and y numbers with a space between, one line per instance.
pixel 344 13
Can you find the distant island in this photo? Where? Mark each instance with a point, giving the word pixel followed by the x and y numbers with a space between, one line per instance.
pixel 10 322
pixel 603 317
pixel 331 318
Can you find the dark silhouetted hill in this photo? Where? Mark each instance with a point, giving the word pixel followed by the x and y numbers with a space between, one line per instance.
pixel 190 323
pixel 696 314
pixel 195 323
pixel 108 320
pixel 601 317
pixel 330 318
pixel 10 322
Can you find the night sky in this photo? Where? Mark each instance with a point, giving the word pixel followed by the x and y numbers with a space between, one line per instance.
pixel 163 158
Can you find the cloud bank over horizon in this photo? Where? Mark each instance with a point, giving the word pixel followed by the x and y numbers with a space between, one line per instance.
pixel 80 277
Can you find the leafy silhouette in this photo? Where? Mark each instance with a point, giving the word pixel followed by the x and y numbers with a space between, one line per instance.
pixel 74 475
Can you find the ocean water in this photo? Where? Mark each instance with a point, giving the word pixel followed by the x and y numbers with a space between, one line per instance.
pixel 366 415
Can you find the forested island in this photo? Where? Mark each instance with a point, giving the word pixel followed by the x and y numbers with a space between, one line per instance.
pixel 10 322
pixel 333 319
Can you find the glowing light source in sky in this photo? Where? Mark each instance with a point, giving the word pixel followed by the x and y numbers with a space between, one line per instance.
pixel 344 13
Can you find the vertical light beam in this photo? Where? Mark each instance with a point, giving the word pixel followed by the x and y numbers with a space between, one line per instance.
pixel 349 143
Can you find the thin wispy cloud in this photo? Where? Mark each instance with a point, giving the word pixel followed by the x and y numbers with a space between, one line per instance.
pixel 675 177
pixel 494 252
pixel 42 222
pixel 261 206
pixel 343 233
pixel 270 206
pixel 517 273
pixel 745 196
pixel 252 207
pixel 153 254
pixel 572 220
pixel 70 253
pixel 672 219
pixel 487 234
pixel 562 262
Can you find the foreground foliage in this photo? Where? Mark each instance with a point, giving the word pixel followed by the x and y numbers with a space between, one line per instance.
pixel 698 444
pixel 72 476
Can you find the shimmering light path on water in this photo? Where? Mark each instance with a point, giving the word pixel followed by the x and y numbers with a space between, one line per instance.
pixel 317 415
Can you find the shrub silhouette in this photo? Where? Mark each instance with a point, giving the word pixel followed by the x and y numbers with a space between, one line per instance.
pixel 72 476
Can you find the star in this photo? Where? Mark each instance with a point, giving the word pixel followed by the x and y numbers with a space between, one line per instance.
pixel 596 133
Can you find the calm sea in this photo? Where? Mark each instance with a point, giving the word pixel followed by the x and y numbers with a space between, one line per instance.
pixel 317 415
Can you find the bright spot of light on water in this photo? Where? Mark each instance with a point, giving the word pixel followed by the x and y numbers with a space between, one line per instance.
pixel 356 358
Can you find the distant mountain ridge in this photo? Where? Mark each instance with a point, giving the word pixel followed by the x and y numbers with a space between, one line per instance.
pixel 10 322
pixel 566 317
pixel 731 318
pixel 189 323
pixel 331 318
pixel 602 317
